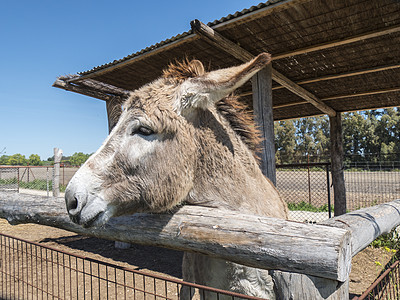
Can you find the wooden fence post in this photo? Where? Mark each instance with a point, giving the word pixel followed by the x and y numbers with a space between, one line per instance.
pixel 56 172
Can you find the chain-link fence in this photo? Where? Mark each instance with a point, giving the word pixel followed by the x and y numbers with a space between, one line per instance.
pixel 38 179
pixel 305 187
pixel 9 178
pixel 306 190
pixel 369 184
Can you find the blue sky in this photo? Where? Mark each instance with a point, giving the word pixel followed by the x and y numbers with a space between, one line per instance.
pixel 41 40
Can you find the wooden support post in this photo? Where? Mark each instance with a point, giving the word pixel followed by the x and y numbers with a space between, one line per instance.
pixel 56 172
pixel 300 286
pixel 262 105
pixel 337 166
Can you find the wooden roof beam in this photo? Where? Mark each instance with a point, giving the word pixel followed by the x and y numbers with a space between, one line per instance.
pixel 230 47
pixel 369 93
pixel 353 39
pixel 344 75
pixel 90 89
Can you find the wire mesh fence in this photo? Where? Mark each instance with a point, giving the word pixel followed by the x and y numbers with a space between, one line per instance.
pixel 306 189
pixel 369 184
pixel 386 286
pixel 39 178
pixel 9 178
pixel 32 271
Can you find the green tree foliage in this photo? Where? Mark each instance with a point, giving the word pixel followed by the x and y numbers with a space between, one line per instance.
pixel 78 158
pixel 312 136
pixel 285 141
pixel 34 160
pixel 367 136
pixel 4 159
pixel 295 140
pixel 17 160
pixel 388 131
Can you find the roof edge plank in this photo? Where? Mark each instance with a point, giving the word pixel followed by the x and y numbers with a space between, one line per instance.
pixel 91 88
pixel 137 56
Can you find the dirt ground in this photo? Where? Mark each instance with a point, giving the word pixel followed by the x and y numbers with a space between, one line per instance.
pixel 155 260
pixel 366 265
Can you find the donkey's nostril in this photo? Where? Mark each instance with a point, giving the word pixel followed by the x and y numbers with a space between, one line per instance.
pixel 73 203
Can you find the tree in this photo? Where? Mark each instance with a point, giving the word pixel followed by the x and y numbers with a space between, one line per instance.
pixel 312 138
pixel 34 160
pixel 285 141
pixel 78 158
pixel 17 160
pixel 388 131
pixel 353 133
pixel 4 159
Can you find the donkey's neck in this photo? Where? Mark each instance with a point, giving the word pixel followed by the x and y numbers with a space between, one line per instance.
pixel 227 174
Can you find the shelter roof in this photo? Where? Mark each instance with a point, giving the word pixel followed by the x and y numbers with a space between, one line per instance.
pixel 344 53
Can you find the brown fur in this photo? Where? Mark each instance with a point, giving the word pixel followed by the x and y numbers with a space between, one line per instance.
pixel 180 71
pixel 241 120
pixel 200 151
pixel 236 112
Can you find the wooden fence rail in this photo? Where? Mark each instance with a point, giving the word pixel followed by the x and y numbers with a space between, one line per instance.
pixel 323 250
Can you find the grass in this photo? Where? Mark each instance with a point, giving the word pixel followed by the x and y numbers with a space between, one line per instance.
pixel 295 169
pixel 304 206
pixel 37 184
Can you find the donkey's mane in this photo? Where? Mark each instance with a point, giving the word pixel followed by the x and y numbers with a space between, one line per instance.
pixel 241 121
pixel 234 111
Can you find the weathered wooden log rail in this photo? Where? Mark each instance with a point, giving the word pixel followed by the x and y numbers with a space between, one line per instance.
pixel 318 250
pixel 250 240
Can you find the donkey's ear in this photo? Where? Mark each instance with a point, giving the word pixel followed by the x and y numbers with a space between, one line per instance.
pixel 204 91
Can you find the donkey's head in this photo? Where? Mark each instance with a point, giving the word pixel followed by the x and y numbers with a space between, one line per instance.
pixel 150 160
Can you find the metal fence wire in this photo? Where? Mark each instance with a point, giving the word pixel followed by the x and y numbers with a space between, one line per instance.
pixel 369 184
pixel 386 286
pixel 32 271
pixel 9 179
pixel 38 178
pixel 306 189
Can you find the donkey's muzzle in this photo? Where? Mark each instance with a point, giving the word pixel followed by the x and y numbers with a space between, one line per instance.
pixel 75 202
pixel 84 208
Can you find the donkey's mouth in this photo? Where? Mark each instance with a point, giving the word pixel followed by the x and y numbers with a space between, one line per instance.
pixel 95 221
pixel 95 213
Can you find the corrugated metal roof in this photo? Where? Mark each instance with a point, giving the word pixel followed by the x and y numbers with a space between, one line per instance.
pixel 147 49
pixel 180 36
pixel 243 12
pixel 344 52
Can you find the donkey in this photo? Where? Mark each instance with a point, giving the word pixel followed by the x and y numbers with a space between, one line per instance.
pixel 183 139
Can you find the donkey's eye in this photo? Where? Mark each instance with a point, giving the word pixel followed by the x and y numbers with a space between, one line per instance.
pixel 143 131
